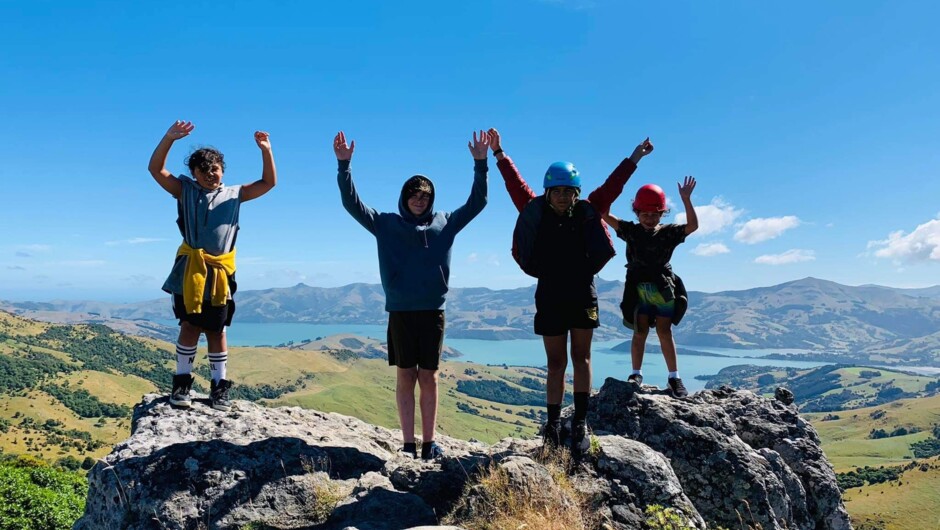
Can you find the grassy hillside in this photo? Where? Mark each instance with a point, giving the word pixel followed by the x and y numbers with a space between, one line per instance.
pixel 67 391
pixel 831 387
pixel 846 439
pixel 904 503
pixel 913 501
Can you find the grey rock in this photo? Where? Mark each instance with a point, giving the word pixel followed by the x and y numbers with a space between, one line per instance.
pixel 784 395
pixel 712 457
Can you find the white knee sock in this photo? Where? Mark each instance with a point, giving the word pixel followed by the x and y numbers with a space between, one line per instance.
pixel 217 365
pixel 185 355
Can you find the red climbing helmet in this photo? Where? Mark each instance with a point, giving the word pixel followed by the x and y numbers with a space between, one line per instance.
pixel 650 198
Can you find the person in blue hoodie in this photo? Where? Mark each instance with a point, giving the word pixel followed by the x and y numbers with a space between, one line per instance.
pixel 414 248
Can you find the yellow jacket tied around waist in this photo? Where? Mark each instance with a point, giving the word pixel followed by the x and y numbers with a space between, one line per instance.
pixel 198 265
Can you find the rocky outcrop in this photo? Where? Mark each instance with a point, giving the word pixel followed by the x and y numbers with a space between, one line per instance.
pixel 714 457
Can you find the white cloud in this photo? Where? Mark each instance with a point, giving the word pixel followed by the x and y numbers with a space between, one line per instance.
pixel 763 229
pixel 134 241
pixel 795 255
pixel 710 249
pixel 922 244
pixel 713 217
pixel 473 257
pixel 16 268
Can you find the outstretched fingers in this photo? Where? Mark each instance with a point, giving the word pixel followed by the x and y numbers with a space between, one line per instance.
pixel 343 150
pixel 180 128
pixel 687 186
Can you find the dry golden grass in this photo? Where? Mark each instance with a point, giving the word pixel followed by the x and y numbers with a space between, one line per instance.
pixel 498 505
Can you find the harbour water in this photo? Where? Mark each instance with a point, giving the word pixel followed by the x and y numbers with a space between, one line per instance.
pixel 606 363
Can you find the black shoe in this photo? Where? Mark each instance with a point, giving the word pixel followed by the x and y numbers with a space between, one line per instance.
pixel 179 396
pixel 551 434
pixel 431 451
pixel 410 449
pixel 635 380
pixel 677 388
pixel 580 441
pixel 218 393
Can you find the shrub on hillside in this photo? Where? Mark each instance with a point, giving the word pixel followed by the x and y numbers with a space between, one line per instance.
pixel 34 496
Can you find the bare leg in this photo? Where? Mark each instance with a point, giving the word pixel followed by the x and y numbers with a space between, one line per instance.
pixel 641 329
pixel 189 334
pixel 427 380
pixel 217 342
pixel 405 396
pixel 556 350
pixel 581 358
pixel 664 331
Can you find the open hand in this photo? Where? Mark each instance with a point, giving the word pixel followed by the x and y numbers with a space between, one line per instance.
pixel 479 145
pixel 494 139
pixel 686 188
pixel 342 150
pixel 179 129
pixel 263 140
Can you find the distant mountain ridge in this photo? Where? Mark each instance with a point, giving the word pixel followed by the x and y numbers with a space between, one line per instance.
pixel 869 322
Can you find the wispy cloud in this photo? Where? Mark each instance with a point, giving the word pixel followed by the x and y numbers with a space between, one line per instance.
pixel 84 263
pixel 795 255
pixel 763 229
pixel 922 244
pixel 491 260
pixel 28 251
pixel 140 279
pixel 710 249
pixel 290 275
pixel 15 268
pixel 713 217
pixel 134 241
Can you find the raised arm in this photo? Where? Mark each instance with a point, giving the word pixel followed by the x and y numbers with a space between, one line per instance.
pixel 157 165
pixel 607 193
pixel 519 191
pixel 268 171
pixel 685 192
pixel 477 200
pixel 347 190
pixel 612 220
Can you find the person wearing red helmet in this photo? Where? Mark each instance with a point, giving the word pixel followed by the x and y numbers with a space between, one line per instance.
pixel 561 240
pixel 654 295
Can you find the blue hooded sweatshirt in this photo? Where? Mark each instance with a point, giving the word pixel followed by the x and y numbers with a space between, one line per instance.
pixel 414 251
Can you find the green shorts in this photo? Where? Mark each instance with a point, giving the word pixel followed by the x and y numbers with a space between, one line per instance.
pixel 651 302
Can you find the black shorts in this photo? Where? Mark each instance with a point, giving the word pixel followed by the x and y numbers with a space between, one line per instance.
pixel 415 338
pixel 553 319
pixel 211 318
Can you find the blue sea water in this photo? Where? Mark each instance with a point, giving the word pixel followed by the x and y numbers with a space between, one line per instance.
pixel 606 363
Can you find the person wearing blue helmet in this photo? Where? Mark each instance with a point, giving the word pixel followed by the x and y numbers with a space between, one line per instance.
pixel 563 242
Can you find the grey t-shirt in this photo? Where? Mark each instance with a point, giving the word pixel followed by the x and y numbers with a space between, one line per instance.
pixel 208 219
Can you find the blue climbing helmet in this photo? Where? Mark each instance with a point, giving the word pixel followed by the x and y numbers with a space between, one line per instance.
pixel 562 174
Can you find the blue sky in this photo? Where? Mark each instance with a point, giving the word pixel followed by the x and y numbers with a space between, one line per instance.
pixel 812 128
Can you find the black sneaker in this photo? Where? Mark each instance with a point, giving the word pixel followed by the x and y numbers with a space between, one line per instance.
pixel 635 380
pixel 677 388
pixel 218 393
pixel 551 434
pixel 410 449
pixel 431 451
pixel 179 396
pixel 580 441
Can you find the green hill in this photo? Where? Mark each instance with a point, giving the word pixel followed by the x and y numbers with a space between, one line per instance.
pixel 831 387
